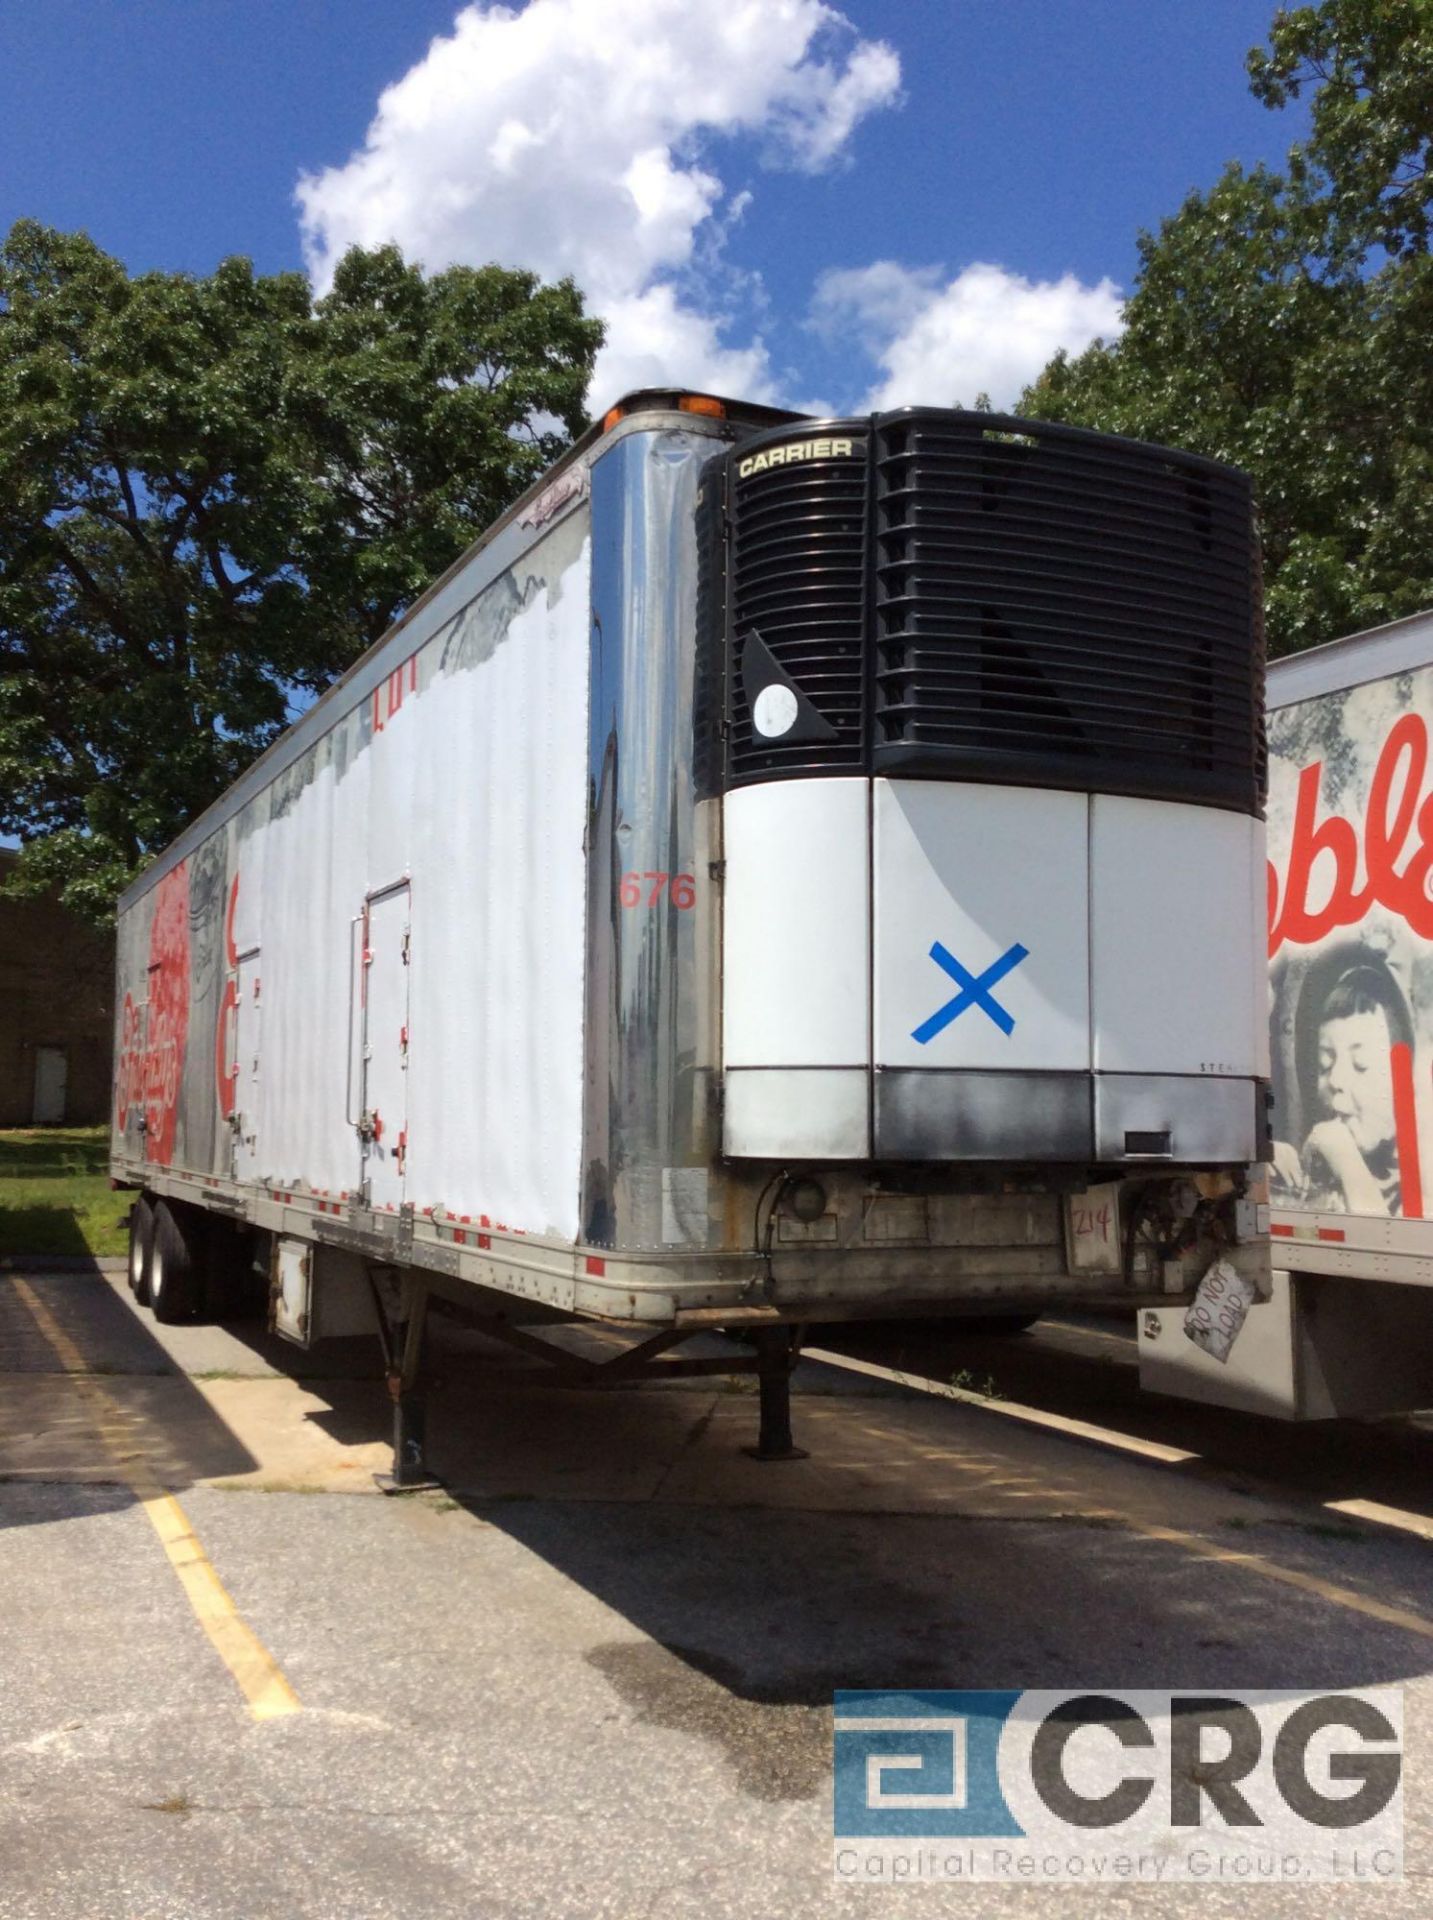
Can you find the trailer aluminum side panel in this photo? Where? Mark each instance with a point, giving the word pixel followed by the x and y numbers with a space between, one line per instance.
pixel 407 936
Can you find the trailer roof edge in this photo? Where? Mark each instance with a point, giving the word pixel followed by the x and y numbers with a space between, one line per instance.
pixel 647 409
pixel 1353 661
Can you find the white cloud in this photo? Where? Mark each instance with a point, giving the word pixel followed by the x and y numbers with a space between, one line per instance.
pixel 656 341
pixel 568 136
pixel 939 341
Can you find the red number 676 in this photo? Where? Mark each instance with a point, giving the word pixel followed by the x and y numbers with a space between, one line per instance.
pixel 682 889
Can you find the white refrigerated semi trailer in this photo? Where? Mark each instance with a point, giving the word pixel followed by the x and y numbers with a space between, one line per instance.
pixel 1348 1326
pixel 786 870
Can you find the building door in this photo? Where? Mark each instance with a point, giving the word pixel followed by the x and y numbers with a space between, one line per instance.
pixel 51 1075
pixel 383 1122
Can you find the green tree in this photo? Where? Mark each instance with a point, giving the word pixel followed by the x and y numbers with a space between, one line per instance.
pixel 216 493
pixel 1282 321
pixel 1368 65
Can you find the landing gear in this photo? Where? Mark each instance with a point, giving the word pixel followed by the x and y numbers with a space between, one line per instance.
pixel 776 1350
pixel 771 1358
pixel 402 1329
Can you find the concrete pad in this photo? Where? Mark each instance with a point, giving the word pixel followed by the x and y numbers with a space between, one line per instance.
pixel 300 1438
pixel 499 1431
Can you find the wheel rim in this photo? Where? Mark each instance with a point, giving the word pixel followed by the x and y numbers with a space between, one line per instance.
pixel 156 1274
pixel 136 1261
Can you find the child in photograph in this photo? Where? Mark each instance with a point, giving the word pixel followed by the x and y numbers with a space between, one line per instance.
pixel 1349 1162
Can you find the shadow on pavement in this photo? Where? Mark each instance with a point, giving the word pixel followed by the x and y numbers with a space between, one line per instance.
pixel 741 1594
pixel 1088 1370
pixel 65 1429
pixel 781 1608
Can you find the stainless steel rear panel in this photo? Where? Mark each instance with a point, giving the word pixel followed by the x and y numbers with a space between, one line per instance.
pixel 650 1126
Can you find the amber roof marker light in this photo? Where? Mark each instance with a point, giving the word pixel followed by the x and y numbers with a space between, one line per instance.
pixel 705 404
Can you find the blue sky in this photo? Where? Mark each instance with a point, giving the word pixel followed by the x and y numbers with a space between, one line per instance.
pixel 910 200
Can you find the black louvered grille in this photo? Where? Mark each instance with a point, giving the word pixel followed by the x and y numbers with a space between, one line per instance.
pixel 797 579
pixel 1065 609
pixel 967 596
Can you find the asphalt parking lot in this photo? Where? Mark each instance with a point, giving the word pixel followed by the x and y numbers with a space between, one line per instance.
pixel 594 1676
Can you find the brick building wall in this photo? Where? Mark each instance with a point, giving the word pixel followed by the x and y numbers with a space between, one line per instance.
pixel 56 1012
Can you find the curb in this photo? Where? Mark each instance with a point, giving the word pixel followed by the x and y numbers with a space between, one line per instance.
pixel 62 1263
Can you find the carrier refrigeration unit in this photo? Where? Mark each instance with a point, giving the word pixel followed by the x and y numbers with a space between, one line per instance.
pixel 787 870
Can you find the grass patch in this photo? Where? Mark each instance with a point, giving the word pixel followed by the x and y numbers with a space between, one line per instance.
pixel 55 1195
pixel 966 1382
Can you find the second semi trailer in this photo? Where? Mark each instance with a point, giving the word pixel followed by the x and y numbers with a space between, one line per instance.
pixel 786 870
pixel 1347 1328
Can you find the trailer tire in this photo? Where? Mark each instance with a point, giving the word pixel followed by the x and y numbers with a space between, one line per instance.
pixel 141 1247
pixel 175 1282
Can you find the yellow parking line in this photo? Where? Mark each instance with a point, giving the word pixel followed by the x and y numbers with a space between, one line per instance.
pixel 255 1671
pixel 1401 1617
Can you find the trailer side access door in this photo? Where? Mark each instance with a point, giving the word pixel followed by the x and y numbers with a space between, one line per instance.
pixel 383 1115
pixel 245 1069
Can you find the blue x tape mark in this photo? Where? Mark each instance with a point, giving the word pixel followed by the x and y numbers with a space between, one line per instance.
pixel 974 991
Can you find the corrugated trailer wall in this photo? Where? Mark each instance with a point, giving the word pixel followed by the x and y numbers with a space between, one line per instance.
pixel 410 888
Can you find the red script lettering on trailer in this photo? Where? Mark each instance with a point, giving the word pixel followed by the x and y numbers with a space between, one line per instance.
pixel 1398 827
